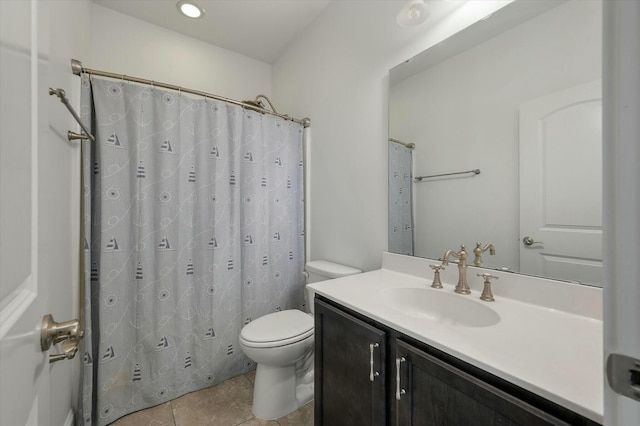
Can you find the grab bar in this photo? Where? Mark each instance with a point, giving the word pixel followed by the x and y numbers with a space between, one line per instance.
pixel 72 135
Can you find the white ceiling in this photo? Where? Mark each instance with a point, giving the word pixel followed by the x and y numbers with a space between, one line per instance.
pixel 260 29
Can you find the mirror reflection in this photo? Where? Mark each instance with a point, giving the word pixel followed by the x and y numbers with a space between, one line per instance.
pixel 516 97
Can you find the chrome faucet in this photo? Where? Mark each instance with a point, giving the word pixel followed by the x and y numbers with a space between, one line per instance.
pixel 477 261
pixel 462 287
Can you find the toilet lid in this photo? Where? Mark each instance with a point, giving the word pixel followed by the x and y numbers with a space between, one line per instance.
pixel 278 326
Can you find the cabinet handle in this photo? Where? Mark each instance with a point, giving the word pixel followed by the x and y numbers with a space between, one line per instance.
pixel 372 374
pixel 399 390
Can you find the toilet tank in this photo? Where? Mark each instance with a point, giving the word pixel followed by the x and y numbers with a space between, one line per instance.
pixel 321 270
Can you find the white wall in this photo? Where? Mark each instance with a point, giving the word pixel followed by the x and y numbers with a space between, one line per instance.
pixel 336 73
pixel 463 114
pixel 126 45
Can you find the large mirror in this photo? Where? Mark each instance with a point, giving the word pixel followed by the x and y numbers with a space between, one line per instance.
pixel 512 104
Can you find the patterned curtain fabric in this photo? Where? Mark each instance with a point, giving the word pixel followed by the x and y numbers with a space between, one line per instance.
pixel 400 199
pixel 194 227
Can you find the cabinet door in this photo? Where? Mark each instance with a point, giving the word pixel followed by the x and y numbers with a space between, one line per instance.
pixel 430 392
pixel 349 369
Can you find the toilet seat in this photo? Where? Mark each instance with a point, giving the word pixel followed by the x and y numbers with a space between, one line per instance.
pixel 277 329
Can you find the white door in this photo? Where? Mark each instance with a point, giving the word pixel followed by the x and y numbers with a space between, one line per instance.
pixel 561 185
pixel 622 210
pixel 24 368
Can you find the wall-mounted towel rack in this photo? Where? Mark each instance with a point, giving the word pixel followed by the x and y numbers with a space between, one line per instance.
pixel 474 171
pixel 72 135
pixel 409 145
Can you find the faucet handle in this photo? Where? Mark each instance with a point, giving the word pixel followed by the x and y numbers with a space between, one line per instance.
pixel 436 276
pixel 486 295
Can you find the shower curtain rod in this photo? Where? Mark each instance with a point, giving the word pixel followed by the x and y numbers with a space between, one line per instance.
pixel 409 145
pixel 77 68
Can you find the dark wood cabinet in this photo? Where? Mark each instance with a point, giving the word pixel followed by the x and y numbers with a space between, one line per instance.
pixel 436 394
pixel 350 388
pixel 416 384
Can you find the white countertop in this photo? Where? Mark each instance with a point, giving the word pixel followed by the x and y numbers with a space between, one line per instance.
pixel 551 352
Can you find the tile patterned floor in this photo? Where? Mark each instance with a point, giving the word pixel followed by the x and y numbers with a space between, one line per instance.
pixel 232 400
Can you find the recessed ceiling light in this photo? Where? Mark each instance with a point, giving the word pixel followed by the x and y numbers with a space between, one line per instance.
pixel 413 13
pixel 190 9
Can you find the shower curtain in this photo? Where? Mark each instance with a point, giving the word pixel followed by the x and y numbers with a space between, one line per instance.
pixel 193 227
pixel 400 199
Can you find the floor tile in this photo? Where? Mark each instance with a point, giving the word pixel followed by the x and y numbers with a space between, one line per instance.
pixel 251 375
pixel 260 422
pixel 160 415
pixel 301 417
pixel 226 404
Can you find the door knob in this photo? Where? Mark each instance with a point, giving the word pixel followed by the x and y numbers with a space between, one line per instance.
pixel 52 333
pixel 623 374
pixel 69 349
pixel 528 241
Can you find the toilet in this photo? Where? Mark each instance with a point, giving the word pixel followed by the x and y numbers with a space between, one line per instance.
pixel 281 344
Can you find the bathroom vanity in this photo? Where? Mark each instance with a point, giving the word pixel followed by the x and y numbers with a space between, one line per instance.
pixel 386 355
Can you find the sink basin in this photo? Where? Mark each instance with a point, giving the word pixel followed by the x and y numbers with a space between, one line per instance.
pixel 436 305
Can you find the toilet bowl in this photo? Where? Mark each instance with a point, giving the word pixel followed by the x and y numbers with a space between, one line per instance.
pixel 277 342
pixel 281 344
